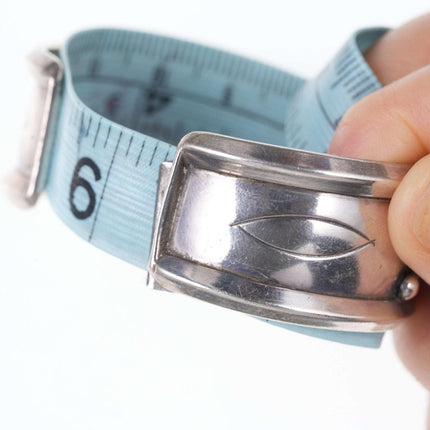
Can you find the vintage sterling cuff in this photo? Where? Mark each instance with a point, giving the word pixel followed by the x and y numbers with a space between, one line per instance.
pixel 282 234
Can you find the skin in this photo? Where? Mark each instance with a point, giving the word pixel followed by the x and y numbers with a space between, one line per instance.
pixel 393 125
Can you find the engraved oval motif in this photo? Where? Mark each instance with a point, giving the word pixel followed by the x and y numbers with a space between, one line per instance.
pixel 306 236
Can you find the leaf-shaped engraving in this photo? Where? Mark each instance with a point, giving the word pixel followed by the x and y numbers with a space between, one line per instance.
pixel 306 236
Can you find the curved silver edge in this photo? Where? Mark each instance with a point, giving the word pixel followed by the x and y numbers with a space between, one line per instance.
pixel 310 170
pixel 298 307
pixel 26 182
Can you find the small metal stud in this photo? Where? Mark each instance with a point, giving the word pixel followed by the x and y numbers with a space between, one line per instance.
pixel 409 287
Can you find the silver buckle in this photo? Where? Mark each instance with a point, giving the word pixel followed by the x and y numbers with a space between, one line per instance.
pixel 287 235
pixel 28 179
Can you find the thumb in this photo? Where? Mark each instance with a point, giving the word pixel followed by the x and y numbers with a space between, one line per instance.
pixel 392 125
pixel 409 218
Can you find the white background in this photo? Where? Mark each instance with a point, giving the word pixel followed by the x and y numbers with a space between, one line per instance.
pixel 83 344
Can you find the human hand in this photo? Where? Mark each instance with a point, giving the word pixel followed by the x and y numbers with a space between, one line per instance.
pixel 393 125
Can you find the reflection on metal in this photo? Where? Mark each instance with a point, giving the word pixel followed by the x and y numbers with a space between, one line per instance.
pixel 278 233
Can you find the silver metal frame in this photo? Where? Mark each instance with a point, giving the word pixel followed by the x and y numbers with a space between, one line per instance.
pixel 28 179
pixel 182 260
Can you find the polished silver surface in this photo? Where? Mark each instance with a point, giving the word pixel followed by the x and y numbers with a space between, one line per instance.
pixel 282 234
pixel 163 182
pixel 28 179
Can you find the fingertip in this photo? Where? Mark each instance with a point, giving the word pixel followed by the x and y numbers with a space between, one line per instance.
pixel 408 218
pixel 355 132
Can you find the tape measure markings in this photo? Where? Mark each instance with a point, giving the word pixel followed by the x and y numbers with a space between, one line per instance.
pixel 105 183
pixel 107 136
pixel 81 130
pixel 343 67
pixel 88 126
pixel 314 114
pixel 97 132
pixel 203 58
pixel 130 141
pixel 347 73
pixel 197 98
pixel 344 55
pixel 323 109
pixel 357 70
pixel 140 152
pixel 153 154
pixel 357 84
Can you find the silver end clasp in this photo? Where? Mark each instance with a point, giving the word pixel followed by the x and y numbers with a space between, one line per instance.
pixel 28 180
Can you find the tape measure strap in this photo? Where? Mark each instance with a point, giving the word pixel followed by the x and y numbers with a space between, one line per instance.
pixel 165 87
pixel 129 97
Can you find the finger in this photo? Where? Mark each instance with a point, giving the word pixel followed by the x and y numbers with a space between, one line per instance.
pixel 409 219
pixel 395 55
pixel 393 124
pixel 401 51
pixel 410 230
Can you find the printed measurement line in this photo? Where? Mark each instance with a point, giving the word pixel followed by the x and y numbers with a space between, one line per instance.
pixel 107 137
pixel 362 91
pixel 346 65
pixel 358 84
pixel 80 131
pixel 344 57
pixel 104 188
pixel 89 126
pixel 349 81
pixel 320 104
pixel 197 98
pixel 155 150
pixel 341 78
pixel 97 132
pixel 140 152
pixel 129 145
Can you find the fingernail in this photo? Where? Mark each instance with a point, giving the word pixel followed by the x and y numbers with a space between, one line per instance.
pixel 421 220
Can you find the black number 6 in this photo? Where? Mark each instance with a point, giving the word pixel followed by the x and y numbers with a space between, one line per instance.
pixel 78 181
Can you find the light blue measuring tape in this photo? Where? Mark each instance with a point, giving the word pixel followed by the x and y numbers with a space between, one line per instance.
pixel 129 97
